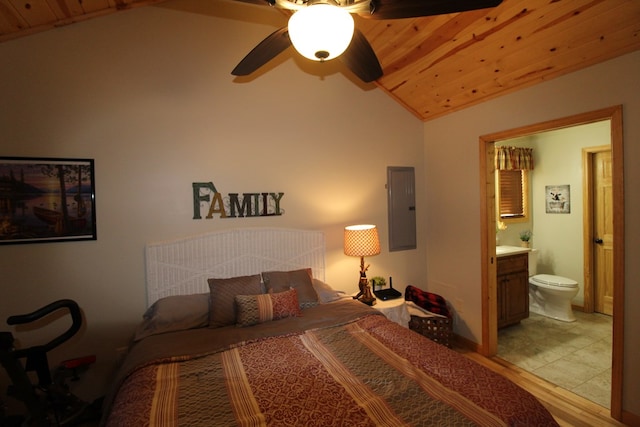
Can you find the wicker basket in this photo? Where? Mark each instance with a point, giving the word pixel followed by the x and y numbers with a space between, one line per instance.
pixel 436 328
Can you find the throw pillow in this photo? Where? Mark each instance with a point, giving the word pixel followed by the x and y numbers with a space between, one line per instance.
pixel 254 309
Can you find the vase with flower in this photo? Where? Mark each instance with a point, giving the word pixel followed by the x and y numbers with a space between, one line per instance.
pixel 525 238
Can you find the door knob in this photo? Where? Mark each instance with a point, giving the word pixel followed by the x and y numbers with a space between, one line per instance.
pixel 597 240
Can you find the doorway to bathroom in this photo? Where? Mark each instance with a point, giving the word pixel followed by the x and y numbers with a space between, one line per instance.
pixel 490 333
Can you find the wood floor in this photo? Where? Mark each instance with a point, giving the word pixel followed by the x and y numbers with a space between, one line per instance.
pixel 567 408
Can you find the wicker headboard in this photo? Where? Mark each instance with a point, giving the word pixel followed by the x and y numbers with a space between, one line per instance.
pixel 182 266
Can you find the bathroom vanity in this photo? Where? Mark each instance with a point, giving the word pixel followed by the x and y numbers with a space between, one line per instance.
pixel 512 284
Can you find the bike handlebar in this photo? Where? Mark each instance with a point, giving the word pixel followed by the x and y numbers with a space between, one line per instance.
pixel 76 318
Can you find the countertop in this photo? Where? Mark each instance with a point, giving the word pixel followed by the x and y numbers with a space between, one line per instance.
pixel 510 250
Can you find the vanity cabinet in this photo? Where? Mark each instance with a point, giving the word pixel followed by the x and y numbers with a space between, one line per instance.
pixel 513 289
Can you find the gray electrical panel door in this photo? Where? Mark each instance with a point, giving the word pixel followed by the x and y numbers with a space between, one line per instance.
pixel 401 201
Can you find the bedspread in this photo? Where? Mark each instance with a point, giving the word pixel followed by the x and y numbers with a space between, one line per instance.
pixel 365 372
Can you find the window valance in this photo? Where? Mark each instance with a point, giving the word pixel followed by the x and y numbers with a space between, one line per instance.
pixel 513 158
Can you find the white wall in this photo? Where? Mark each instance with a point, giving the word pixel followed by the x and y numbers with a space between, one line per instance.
pixel 558 237
pixel 148 94
pixel 453 225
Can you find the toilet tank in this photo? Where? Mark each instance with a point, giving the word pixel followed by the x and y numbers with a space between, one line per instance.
pixel 533 262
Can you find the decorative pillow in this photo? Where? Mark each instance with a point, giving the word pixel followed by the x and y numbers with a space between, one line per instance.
pixel 254 309
pixel 174 313
pixel 300 280
pixel 223 293
pixel 326 293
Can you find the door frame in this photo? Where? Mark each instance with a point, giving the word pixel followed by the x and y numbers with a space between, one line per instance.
pixel 587 223
pixel 489 344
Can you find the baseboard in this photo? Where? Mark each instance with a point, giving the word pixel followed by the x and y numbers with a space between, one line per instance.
pixel 462 342
pixel 630 419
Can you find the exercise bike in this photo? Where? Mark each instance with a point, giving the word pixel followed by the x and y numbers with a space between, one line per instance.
pixel 48 402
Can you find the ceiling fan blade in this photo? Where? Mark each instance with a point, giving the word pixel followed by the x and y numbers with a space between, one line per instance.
pixel 361 59
pixel 396 9
pixel 259 2
pixel 264 52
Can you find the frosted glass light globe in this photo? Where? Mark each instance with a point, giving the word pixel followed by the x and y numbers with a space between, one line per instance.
pixel 321 32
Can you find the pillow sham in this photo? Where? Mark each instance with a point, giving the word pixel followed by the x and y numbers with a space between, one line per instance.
pixel 223 293
pixel 174 313
pixel 326 293
pixel 300 280
pixel 254 309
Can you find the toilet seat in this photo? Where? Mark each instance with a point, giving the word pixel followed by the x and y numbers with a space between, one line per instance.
pixel 551 280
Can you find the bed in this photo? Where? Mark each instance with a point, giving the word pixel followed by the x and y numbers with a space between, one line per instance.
pixel 241 329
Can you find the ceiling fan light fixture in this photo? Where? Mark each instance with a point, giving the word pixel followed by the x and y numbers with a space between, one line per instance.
pixel 321 32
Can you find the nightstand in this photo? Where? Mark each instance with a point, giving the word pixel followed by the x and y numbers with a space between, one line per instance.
pixel 394 310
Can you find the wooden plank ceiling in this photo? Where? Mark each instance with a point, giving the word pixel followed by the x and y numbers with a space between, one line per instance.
pixel 436 65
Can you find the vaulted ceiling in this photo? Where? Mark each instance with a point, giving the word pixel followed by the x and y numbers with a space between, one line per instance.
pixel 440 64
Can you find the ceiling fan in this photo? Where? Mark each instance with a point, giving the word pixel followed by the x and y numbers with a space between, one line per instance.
pixel 358 54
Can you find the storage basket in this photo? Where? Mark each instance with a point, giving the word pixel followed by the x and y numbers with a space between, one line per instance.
pixel 436 328
pixel 430 315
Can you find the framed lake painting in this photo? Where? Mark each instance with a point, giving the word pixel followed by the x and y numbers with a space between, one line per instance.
pixel 46 200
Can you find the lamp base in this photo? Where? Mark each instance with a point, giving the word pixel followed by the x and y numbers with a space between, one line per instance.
pixel 368 301
pixel 365 294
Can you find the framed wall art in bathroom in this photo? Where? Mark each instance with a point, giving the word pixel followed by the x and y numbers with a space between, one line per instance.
pixel 46 199
pixel 558 198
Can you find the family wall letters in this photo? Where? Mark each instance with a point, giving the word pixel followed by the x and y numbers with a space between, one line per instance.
pixel 234 205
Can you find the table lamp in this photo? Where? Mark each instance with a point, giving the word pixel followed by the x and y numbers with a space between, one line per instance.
pixel 362 240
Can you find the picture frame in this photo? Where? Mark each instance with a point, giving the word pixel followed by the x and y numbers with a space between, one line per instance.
pixel 44 199
pixel 557 199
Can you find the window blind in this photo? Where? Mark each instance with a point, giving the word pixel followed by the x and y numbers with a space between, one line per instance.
pixel 511 194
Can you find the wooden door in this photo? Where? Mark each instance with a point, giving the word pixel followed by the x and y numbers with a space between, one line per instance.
pixel 603 232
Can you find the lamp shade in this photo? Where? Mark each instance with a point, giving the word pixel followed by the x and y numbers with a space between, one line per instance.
pixel 321 32
pixel 361 240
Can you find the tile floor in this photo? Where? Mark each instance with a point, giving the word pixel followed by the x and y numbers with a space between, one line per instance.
pixel 575 356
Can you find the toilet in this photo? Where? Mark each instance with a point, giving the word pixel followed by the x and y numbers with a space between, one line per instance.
pixel 550 295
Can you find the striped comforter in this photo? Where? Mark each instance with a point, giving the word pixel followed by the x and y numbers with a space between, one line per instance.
pixel 366 372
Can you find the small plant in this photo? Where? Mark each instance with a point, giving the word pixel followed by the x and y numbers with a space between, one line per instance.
pixel 378 282
pixel 525 235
